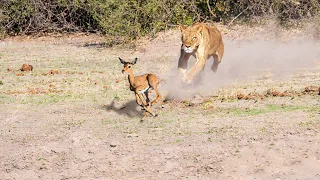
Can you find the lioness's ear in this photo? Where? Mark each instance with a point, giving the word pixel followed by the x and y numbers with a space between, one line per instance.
pixel 135 60
pixel 121 60
pixel 182 27
pixel 199 29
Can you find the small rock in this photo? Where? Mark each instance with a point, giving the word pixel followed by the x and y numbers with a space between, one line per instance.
pixel 210 166
pixel 197 99
pixel 26 67
pixel 133 135
pixel 52 72
pixel 113 144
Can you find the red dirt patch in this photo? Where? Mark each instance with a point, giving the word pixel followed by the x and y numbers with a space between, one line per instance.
pixel 37 91
pixel 311 89
pixel 275 93
pixel 250 96
pixel 20 74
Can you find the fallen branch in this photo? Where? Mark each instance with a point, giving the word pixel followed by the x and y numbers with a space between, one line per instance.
pixel 211 12
pixel 237 16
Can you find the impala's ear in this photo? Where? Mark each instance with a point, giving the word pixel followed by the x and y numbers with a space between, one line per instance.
pixel 182 27
pixel 121 60
pixel 134 61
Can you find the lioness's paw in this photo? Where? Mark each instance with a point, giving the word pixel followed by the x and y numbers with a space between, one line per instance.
pixel 182 72
pixel 187 80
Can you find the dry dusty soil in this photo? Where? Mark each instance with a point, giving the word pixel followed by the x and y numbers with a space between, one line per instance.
pixel 73 116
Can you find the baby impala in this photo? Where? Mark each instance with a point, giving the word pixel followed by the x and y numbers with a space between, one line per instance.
pixel 140 86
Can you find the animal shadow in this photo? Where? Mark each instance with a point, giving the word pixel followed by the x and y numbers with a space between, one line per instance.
pixel 129 109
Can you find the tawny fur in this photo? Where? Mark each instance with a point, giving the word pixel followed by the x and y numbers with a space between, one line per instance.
pixel 202 41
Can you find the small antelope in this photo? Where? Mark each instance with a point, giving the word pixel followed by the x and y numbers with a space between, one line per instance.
pixel 140 85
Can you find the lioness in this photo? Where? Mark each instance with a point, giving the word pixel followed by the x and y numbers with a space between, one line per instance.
pixel 202 41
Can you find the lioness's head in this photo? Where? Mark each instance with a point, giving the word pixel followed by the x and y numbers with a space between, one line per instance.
pixel 190 37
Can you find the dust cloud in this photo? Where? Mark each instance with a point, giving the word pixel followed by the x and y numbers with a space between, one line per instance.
pixel 245 60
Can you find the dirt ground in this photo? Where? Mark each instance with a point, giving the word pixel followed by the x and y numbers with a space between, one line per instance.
pixel 73 116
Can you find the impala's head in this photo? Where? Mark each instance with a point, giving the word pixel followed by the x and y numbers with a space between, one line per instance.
pixel 190 37
pixel 127 66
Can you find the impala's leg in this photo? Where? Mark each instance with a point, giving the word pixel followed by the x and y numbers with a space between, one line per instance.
pixel 139 102
pixel 158 95
pixel 146 106
pixel 144 115
pixel 217 57
pixel 147 97
pixel 183 61
pixel 149 111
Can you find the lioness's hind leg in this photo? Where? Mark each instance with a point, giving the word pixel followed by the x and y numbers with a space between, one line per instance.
pixel 217 57
pixel 215 64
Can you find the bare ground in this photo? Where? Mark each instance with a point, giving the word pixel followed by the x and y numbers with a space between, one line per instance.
pixel 73 116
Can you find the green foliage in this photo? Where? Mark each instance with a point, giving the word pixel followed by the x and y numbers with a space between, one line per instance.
pixel 134 18
pixel 125 20
pixel 35 16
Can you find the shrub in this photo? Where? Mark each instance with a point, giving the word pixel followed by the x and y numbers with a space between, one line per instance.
pixel 129 19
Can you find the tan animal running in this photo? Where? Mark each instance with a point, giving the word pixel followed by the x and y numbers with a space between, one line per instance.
pixel 202 41
pixel 140 86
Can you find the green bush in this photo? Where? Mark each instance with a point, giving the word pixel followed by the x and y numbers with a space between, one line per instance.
pixel 125 20
pixel 133 18
pixel 34 16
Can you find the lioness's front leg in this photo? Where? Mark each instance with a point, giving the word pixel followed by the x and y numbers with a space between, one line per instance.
pixel 183 61
pixel 194 71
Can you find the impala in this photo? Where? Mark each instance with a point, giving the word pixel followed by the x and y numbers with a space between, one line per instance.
pixel 140 86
